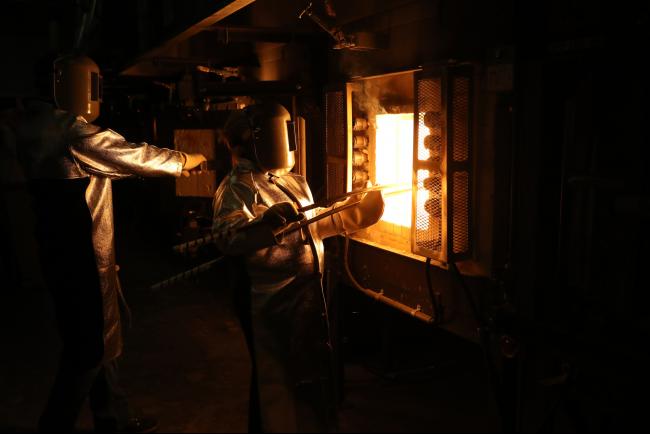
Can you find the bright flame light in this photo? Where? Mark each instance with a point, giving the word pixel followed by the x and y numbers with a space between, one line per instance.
pixel 394 163
pixel 423 152
pixel 423 196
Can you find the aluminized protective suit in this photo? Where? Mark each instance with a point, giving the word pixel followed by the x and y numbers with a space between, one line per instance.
pixel 288 311
pixel 54 145
pixel 285 317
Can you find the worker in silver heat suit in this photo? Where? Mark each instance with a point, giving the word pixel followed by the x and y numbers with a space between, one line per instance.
pixel 69 165
pixel 284 313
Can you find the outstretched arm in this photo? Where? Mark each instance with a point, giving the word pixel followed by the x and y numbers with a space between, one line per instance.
pixel 106 153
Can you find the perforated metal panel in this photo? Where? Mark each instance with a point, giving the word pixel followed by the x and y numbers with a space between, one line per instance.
pixel 460 212
pixel 336 142
pixel 460 168
pixel 429 220
pixel 460 119
pixel 335 122
pixel 442 170
pixel 429 216
pixel 336 173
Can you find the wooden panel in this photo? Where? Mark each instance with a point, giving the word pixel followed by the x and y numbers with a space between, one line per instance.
pixel 203 183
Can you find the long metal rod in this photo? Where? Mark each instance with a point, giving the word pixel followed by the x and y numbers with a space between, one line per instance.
pixel 301 224
pixel 328 202
pixel 181 248
pixel 292 227
pixel 186 274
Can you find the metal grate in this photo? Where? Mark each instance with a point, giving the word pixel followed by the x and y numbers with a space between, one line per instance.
pixel 429 118
pixel 335 178
pixel 460 119
pixel 335 137
pixel 460 212
pixel 429 95
pixel 429 216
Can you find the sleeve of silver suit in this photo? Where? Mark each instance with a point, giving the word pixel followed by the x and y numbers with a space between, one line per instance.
pixel 235 207
pixel 104 152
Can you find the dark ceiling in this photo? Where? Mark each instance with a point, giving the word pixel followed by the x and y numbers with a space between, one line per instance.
pixel 145 37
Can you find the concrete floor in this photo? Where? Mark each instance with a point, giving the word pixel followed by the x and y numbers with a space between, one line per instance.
pixel 186 364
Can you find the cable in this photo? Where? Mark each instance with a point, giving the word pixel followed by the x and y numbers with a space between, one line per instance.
pixel 438 308
pixel 475 312
pixel 484 341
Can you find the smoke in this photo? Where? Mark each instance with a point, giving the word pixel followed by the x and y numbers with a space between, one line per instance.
pixel 367 98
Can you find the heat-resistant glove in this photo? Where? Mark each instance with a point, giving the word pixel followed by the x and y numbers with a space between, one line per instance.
pixel 366 213
pixel 192 161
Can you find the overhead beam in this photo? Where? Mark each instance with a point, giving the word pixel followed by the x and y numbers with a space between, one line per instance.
pixel 263 34
pixel 204 24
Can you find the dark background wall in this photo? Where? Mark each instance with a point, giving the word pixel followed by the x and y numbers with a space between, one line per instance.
pixel 565 138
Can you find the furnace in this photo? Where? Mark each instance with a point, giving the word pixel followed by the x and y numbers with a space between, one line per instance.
pixel 411 131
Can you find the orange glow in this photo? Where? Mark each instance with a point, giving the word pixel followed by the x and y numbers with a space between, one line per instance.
pixel 394 163
pixel 423 221
pixel 423 152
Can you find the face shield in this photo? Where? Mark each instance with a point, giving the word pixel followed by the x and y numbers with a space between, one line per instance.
pixel 273 137
pixel 78 86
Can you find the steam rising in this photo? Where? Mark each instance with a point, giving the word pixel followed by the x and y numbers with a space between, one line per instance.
pixel 367 98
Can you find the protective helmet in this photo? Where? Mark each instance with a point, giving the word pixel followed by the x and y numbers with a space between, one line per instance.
pixel 78 86
pixel 267 133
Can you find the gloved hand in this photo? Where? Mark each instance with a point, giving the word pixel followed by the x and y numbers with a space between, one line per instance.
pixel 366 213
pixel 280 214
pixel 259 234
pixel 192 161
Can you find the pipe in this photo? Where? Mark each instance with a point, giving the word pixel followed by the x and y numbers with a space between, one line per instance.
pixel 379 295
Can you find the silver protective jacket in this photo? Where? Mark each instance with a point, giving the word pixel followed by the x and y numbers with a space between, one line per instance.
pixel 289 321
pixel 53 144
